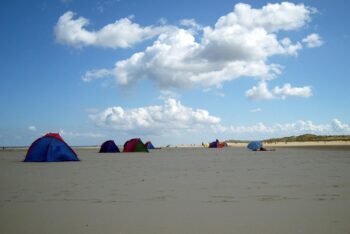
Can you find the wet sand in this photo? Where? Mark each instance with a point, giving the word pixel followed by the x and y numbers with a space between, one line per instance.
pixel 179 190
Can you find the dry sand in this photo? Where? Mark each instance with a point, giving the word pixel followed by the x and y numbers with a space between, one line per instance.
pixel 178 191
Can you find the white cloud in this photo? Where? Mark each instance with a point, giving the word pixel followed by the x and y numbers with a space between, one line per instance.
pixel 261 92
pixel 71 32
pixel 290 48
pixel 97 74
pixel 191 24
pixel 251 34
pixel 174 118
pixel 32 128
pixel 121 34
pixel 313 40
pixel 338 126
pixel 288 90
pixel 272 17
pixel 173 61
pixel 239 45
pixel 170 117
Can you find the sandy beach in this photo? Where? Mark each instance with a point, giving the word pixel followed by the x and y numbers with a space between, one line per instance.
pixel 179 190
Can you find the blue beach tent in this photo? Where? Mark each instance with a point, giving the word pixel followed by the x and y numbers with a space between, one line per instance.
pixel 50 148
pixel 109 147
pixel 254 145
pixel 149 145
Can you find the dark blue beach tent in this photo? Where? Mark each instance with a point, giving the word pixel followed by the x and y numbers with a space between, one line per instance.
pixel 50 148
pixel 254 145
pixel 109 147
pixel 149 145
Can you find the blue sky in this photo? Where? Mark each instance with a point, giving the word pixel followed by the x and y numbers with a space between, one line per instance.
pixel 173 72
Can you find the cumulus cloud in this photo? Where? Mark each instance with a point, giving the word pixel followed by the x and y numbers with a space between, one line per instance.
pixel 177 60
pixel 313 40
pixel 251 34
pixel 172 116
pixel 238 45
pixel 123 33
pixel 272 17
pixel 261 92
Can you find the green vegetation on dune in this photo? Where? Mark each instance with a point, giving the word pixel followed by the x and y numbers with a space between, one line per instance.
pixel 310 137
pixel 301 138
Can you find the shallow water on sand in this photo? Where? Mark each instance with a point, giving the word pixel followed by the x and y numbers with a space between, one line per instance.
pixel 179 190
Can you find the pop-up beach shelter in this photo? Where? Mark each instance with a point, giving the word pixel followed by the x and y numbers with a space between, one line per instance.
pixel 254 145
pixel 149 145
pixel 50 148
pixel 109 147
pixel 216 144
pixel 135 145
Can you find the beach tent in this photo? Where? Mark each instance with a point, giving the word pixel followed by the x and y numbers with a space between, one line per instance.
pixel 50 148
pixel 254 145
pixel 109 147
pixel 149 145
pixel 135 145
pixel 216 144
